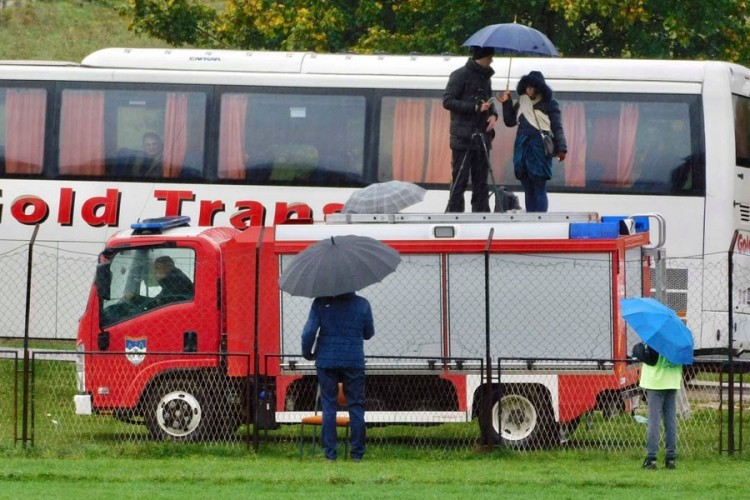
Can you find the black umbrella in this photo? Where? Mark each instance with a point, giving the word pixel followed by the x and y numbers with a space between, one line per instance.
pixel 513 39
pixel 337 265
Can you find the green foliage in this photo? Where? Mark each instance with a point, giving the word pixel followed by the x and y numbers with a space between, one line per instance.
pixel 591 28
pixel 675 29
pixel 65 30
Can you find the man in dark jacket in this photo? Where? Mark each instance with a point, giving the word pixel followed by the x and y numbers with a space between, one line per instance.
pixel 175 285
pixel 345 322
pixel 467 97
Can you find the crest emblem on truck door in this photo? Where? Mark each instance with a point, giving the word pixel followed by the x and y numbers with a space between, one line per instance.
pixel 135 350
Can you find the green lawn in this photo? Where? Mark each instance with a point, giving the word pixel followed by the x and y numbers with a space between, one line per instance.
pixel 101 456
pixel 203 475
pixel 65 30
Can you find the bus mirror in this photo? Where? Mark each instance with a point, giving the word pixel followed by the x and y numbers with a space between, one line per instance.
pixel 103 280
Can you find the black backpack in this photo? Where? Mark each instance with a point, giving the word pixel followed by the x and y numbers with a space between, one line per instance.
pixel 646 354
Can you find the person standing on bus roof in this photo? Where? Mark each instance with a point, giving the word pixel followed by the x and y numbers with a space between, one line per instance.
pixel 342 324
pixel 534 112
pixel 468 97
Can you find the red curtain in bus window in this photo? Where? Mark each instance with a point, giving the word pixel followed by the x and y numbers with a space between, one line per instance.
pixel 629 114
pixel 501 155
pixel 232 153
pixel 438 169
pixel 408 140
pixel 602 158
pixel 175 133
pixel 82 133
pixel 25 112
pixel 574 124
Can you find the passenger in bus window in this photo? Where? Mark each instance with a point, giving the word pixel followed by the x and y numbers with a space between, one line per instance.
pixel 150 163
pixel 468 97
pixel 534 112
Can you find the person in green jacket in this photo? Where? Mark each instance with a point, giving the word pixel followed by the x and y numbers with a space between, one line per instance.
pixel 661 381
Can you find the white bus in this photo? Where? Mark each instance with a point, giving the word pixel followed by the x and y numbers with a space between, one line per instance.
pixel 243 131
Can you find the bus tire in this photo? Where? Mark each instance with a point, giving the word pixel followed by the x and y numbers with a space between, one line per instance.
pixel 175 410
pixel 527 419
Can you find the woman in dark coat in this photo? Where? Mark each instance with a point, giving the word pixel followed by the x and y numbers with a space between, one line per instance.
pixel 534 112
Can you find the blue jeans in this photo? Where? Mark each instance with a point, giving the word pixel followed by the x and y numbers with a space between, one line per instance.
pixel 354 390
pixel 662 405
pixel 535 190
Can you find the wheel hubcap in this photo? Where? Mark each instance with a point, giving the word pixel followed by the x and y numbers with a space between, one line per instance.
pixel 178 413
pixel 518 419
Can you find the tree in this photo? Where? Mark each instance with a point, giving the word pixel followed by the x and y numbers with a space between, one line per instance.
pixel 717 29
pixel 680 29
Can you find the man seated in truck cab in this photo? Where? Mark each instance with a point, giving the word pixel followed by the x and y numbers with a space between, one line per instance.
pixel 175 285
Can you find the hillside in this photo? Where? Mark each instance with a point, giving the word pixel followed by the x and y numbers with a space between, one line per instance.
pixel 65 30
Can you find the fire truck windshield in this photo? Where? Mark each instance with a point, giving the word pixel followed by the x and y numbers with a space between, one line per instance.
pixel 143 279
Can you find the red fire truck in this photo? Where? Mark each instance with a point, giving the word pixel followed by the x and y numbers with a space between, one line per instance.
pixel 185 360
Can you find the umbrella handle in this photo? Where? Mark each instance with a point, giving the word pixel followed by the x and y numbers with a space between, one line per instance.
pixel 507 81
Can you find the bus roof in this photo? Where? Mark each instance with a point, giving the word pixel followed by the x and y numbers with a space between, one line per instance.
pixel 393 65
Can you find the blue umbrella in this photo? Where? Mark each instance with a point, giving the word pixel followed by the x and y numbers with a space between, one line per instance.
pixel 659 327
pixel 513 39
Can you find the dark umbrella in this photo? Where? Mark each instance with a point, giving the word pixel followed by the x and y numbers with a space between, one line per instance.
pixel 337 265
pixel 659 327
pixel 384 198
pixel 513 39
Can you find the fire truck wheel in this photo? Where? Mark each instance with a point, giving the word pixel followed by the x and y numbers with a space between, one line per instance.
pixel 174 411
pixel 526 419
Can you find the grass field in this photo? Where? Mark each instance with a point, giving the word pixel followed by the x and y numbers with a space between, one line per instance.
pixel 202 475
pixel 65 30
pixel 100 456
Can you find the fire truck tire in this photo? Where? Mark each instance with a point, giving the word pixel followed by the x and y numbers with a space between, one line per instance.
pixel 176 410
pixel 526 421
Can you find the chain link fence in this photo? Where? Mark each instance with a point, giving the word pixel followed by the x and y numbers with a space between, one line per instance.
pixel 549 329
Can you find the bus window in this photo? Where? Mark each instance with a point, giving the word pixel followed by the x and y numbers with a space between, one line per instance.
pixel 414 140
pixel 132 134
pixel 22 115
pixel 622 143
pixel 742 130
pixel 292 139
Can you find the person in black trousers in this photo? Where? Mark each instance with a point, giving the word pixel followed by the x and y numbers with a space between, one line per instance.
pixel 468 97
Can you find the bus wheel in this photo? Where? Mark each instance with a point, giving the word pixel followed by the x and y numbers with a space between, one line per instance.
pixel 174 411
pixel 525 419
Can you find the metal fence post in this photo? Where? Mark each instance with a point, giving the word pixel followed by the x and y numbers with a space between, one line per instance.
pixel 730 341
pixel 488 355
pixel 26 367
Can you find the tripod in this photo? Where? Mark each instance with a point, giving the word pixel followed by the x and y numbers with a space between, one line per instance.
pixel 461 178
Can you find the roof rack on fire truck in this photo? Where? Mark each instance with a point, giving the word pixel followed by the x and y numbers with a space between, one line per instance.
pixel 444 218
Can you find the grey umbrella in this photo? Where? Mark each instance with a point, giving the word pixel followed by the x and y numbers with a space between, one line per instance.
pixel 337 265
pixel 384 198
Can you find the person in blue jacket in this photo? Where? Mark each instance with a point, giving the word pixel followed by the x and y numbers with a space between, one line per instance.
pixel 341 325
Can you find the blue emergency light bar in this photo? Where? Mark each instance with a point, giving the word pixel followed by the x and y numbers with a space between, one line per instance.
pixel 159 224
